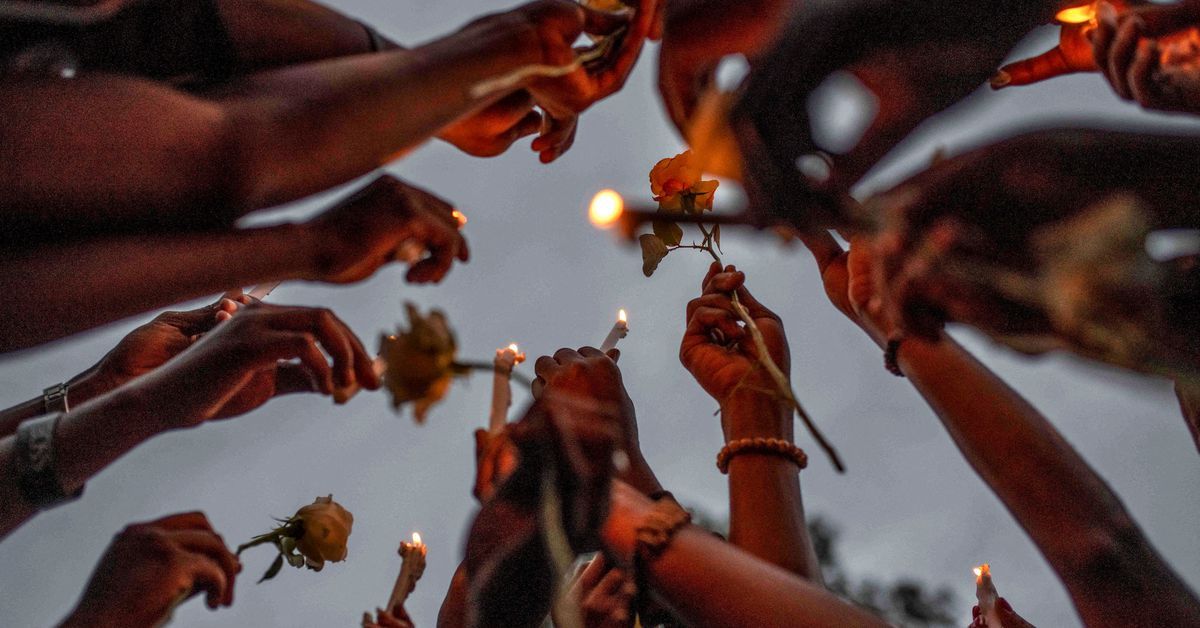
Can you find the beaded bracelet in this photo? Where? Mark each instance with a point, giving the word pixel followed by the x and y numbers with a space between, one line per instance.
pixel 770 446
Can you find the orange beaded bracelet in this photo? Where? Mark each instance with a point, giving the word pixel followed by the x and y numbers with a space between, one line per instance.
pixel 759 445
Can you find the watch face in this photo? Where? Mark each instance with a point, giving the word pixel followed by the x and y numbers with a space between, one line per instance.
pixel 77 12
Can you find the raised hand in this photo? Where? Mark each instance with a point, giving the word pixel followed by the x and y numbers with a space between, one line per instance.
pixel 1008 617
pixel 717 350
pixel 848 278
pixel 591 381
pixel 262 351
pixel 152 567
pixel 373 227
pixel 564 98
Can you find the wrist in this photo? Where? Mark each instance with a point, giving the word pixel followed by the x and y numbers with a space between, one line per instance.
pixel 88 385
pixel 754 415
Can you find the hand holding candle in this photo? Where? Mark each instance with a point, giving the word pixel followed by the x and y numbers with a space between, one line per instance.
pixel 412 566
pixel 619 330
pixel 506 359
pixel 985 592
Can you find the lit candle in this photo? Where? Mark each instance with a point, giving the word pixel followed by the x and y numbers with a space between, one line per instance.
pixel 606 208
pixel 1080 14
pixel 506 359
pixel 412 565
pixel 985 592
pixel 619 331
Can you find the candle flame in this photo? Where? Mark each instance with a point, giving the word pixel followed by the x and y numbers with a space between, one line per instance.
pixel 1077 15
pixel 459 217
pixel 513 348
pixel 978 572
pixel 606 208
pixel 416 538
pixel 621 316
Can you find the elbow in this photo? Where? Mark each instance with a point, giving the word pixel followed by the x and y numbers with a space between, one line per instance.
pixel 1110 556
pixel 237 179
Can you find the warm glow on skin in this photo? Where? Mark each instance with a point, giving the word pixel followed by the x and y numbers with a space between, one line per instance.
pixel 606 207
pixel 1077 15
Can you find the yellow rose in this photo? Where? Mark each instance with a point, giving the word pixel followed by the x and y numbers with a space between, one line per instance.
pixel 677 186
pixel 421 361
pixel 324 529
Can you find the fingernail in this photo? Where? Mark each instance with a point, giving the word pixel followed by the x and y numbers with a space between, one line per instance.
pixel 1000 80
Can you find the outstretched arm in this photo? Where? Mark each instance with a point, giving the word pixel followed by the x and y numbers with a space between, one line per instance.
pixel 1114 576
pixel 81 285
pixel 266 139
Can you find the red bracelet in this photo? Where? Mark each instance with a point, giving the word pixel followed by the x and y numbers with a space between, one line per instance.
pixel 759 445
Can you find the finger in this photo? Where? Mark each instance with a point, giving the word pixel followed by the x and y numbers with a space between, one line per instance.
pixel 557 137
pixel 302 346
pixel 614 354
pixel 823 246
pixel 1124 46
pixel 1141 75
pixel 1047 65
pixel 537 387
pixel 205 575
pixel 1101 38
pixel 195 520
pixel 610 583
pixel 713 269
pixel 565 355
pixel 718 300
pixel 591 352
pixel 529 124
pixel 544 366
pixel 708 318
pixel 213 547
pixel 333 336
pixel 291 378
pixel 725 282
pixel 444 247
pixel 364 364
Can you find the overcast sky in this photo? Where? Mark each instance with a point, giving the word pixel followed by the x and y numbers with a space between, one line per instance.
pixel 541 276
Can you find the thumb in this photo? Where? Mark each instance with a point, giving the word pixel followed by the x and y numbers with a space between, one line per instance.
pixel 602 22
pixel 1047 65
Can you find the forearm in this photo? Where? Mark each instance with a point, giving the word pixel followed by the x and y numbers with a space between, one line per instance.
pixel 1076 521
pixel 82 285
pixel 303 129
pixel 80 389
pixel 86 440
pixel 697 572
pixel 766 512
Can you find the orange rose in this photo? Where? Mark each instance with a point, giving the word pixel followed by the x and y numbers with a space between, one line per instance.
pixel 677 186
pixel 325 528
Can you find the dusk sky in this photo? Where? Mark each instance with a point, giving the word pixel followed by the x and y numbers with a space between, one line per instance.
pixel 541 276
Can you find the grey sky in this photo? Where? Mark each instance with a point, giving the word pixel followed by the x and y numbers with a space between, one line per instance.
pixel 541 276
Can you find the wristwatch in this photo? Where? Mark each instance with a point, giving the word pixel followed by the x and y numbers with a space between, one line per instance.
pixel 54 399
pixel 36 463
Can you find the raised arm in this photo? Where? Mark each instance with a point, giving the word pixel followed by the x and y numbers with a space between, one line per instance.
pixel 766 512
pixel 1114 576
pixel 80 285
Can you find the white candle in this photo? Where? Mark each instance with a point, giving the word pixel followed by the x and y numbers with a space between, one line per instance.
pixel 985 592
pixel 261 291
pixel 619 331
pixel 506 359
pixel 412 566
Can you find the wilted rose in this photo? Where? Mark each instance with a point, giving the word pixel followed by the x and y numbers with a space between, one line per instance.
pixel 324 529
pixel 677 186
